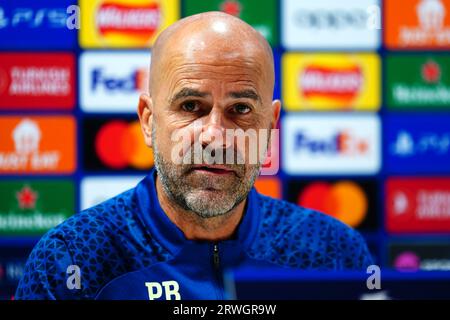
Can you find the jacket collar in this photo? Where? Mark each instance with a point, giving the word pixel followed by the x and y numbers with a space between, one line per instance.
pixel 163 230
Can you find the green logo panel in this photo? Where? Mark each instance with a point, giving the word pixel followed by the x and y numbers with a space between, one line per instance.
pixel 418 82
pixel 261 15
pixel 29 208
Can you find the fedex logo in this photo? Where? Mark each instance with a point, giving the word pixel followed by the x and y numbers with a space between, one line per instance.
pixel 343 142
pixel 33 18
pixel 132 82
pixel 331 144
pixel 112 81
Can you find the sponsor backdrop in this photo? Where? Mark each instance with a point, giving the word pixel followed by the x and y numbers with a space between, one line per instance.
pixel 364 132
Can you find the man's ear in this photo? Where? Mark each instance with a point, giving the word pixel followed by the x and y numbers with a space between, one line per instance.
pixel 276 109
pixel 145 113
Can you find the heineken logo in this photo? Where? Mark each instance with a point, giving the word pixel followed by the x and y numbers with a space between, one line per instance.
pixel 417 82
pixel 27 198
pixel 431 72
pixel 33 207
pixel 231 7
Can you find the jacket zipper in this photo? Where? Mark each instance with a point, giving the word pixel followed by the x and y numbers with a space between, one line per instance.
pixel 216 265
pixel 216 257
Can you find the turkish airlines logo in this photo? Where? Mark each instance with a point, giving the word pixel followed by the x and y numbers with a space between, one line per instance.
pixel 132 20
pixel 37 80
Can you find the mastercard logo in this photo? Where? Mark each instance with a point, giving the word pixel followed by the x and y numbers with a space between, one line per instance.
pixel 344 200
pixel 120 144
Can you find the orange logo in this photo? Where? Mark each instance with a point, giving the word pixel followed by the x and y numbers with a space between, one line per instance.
pixel 344 200
pixel 37 145
pixel 421 24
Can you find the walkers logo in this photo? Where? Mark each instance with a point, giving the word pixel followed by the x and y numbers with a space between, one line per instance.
pixel 418 205
pixel 352 202
pixel 332 144
pixel 260 15
pixel 330 24
pixel 115 144
pixel 125 23
pixel 94 190
pixel 421 24
pixel 34 207
pixel 112 82
pixel 37 80
pixel 418 81
pixel 417 144
pixel 331 81
pixel 427 256
pixel 29 24
pixel 37 145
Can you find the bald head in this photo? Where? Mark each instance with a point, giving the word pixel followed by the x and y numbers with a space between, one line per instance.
pixel 207 38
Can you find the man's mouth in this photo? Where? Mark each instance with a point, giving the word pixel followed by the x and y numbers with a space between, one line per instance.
pixel 213 169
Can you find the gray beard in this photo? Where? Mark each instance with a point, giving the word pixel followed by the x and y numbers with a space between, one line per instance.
pixel 213 204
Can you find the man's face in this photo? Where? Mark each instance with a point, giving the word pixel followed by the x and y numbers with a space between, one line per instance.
pixel 202 97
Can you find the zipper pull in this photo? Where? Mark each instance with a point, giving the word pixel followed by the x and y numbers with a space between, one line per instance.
pixel 216 258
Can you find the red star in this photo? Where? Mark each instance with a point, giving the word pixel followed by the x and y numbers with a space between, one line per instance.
pixel 27 198
pixel 231 7
pixel 431 72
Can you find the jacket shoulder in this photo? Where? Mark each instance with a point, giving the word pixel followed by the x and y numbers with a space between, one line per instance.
pixel 295 236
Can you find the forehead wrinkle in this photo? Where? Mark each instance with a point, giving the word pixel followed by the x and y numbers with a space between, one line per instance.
pixel 194 36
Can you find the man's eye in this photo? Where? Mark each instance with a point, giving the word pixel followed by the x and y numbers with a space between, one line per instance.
pixel 242 109
pixel 190 106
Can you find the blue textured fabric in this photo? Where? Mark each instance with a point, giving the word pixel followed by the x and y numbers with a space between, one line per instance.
pixel 127 248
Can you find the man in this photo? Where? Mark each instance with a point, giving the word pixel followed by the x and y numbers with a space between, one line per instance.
pixel 173 235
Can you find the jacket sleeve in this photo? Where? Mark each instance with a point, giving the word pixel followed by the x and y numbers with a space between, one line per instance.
pixel 356 255
pixel 47 272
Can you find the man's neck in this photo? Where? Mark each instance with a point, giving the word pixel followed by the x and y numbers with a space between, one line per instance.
pixel 198 228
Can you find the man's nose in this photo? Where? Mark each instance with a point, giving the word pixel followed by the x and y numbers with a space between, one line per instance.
pixel 213 130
